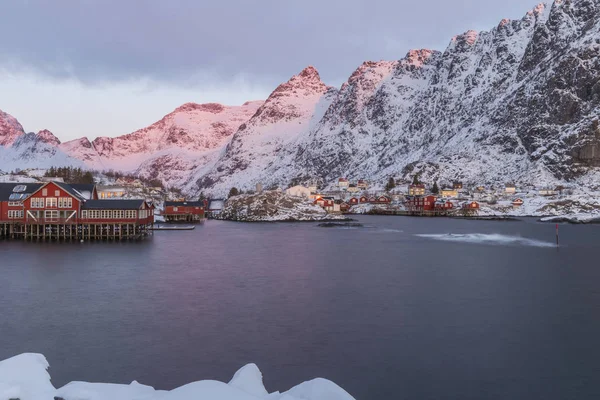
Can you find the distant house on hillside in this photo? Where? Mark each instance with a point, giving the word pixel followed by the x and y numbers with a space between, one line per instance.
pixel 416 190
pixel 510 188
pixel 362 184
pixel 517 202
pixel 111 191
pixel 449 192
pixel 353 188
pixel 457 185
pixel 343 183
pixel 547 192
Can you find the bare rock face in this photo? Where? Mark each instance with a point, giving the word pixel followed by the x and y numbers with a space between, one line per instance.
pixel 47 137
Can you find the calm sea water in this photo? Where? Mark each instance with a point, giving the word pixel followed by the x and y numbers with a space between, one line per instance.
pixel 404 308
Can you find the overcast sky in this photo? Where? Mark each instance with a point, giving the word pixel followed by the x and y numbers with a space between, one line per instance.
pixel 109 67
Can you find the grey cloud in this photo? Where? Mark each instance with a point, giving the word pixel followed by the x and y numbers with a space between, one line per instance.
pixel 265 40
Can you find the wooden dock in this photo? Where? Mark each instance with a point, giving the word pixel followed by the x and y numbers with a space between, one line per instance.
pixel 74 231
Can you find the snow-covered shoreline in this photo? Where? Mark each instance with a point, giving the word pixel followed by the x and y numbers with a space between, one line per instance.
pixel 26 377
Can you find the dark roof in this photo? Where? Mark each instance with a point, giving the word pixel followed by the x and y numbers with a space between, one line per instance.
pixel 184 203
pixel 69 189
pixel 6 189
pixel 113 204
pixel 83 187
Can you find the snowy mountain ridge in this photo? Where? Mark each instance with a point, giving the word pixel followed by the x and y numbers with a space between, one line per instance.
pixel 518 103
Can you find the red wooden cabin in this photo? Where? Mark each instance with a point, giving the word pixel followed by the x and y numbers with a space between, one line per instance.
pixel 472 205
pixel 189 211
pixel 418 203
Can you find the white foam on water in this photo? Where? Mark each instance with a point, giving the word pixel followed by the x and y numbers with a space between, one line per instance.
pixel 487 238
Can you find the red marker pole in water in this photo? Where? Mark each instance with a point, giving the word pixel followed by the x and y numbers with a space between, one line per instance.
pixel 557 234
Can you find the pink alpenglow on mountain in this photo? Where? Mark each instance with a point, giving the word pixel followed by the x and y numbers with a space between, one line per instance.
pixel 10 129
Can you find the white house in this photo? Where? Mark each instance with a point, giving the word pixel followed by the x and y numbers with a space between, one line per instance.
pixel 111 191
pixel 343 183
pixel 547 192
pixel 298 191
pixel 510 189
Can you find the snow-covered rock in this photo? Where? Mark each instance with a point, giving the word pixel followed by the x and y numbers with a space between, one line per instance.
pixel 25 377
pixel 271 206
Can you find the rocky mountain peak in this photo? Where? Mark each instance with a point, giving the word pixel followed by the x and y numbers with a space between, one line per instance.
pixel 47 137
pixel 214 108
pixel 10 129
pixel 306 82
pixel 465 40
pixel 418 57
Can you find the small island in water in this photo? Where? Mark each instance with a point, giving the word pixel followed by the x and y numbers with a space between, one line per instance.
pixel 274 206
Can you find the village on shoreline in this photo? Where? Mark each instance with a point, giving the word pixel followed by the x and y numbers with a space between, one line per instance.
pixel 454 199
pixel 125 207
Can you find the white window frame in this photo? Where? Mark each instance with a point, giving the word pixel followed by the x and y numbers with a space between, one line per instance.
pixel 44 192
pixel 51 215
pixel 51 202
pixel 57 193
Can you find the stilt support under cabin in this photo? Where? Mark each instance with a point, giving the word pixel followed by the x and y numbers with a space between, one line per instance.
pixel 75 231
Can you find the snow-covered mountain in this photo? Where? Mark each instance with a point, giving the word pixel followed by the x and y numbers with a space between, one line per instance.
pixel 518 103
pixel 29 150
pixel 263 148
pixel 10 129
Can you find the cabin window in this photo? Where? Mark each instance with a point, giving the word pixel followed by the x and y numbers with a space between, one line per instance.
pixel 44 192
pixel 37 203
pixel 118 214
pixel 57 193
pixel 130 214
pixel 51 202
pixel 175 209
pixel 51 215
pixel 65 202
pixel 84 214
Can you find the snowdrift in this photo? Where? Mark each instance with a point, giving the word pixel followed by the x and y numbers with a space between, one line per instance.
pixel 25 377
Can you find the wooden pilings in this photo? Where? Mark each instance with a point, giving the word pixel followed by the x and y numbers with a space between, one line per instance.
pixel 87 231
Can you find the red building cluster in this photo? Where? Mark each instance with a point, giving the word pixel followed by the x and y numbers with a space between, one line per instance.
pixel 58 210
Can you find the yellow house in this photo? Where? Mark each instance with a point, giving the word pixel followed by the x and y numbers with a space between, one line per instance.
pixel 448 192
pixel 416 190
pixel 110 192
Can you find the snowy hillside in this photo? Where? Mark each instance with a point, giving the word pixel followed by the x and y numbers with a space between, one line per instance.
pixel 264 147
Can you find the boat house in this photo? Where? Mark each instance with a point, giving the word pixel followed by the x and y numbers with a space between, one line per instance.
pixel 57 210
pixel 183 211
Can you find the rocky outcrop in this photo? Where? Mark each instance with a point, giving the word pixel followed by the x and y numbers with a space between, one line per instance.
pixel 272 206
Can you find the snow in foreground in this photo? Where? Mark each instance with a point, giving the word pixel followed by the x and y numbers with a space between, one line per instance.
pixel 25 377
